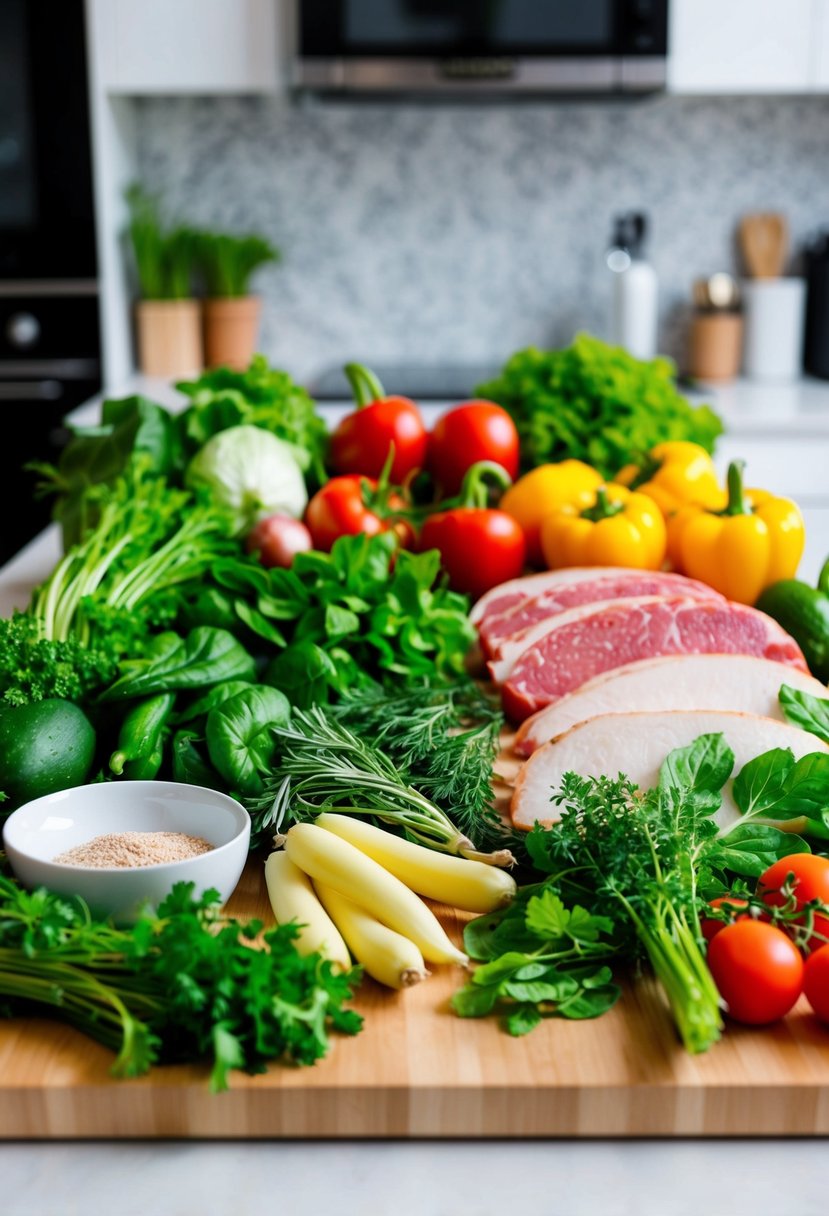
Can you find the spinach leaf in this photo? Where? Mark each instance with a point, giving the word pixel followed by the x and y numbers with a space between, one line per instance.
pixel 705 765
pixel 760 786
pixel 240 736
pixel 804 710
pixel 207 656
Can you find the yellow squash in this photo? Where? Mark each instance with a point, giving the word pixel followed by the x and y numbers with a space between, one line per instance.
pixel 755 541
pixel 674 474
pixel 543 490
pixel 618 528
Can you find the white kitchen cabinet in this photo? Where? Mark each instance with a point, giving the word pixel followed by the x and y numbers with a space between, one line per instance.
pixel 189 46
pixel 743 46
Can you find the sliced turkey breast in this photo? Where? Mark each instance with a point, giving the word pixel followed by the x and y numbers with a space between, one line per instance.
pixel 694 681
pixel 636 744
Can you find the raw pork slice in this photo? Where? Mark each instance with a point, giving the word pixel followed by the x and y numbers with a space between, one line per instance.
pixel 691 681
pixel 495 628
pixel 586 642
pixel 507 595
pixel 637 744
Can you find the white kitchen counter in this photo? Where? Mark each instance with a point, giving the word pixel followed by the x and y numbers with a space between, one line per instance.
pixel 601 1178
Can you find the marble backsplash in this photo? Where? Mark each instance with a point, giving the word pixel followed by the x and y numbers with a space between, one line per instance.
pixel 454 234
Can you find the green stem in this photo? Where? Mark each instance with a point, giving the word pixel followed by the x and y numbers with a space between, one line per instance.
pixel 364 385
pixel 737 504
pixel 474 490
pixel 823 578
pixel 603 508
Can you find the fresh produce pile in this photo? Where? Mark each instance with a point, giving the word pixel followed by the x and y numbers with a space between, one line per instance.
pixel 250 604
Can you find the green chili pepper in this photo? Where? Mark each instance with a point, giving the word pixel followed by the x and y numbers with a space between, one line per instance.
pixel 141 740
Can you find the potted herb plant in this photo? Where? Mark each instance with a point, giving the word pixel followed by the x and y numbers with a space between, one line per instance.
pixel 231 313
pixel 168 318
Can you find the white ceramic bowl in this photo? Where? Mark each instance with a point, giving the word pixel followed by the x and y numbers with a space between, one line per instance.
pixel 40 830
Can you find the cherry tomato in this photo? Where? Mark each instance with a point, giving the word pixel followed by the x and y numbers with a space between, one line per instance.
pixel 479 547
pixel 710 928
pixel 476 430
pixel 811 881
pixel 277 539
pixel 361 442
pixel 758 971
pixel 816 982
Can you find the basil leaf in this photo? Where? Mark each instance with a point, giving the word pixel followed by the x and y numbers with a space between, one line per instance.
pixel 240 736
pixel 750 848
pixel 216 696
pixel 804 710
pixel 704 765
pixel 524 1019
pixel 760 786
pixel 590 1003
pixel 304 673
pixel 474 1001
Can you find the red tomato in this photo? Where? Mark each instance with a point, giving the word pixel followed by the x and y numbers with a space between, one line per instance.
pixel 361 442
pixel 479 547
pixel 278 539
pixel 811 881
pixel 758 971
pixel 710 928
pixel 816 982
pixel 476 430
pixel 339 509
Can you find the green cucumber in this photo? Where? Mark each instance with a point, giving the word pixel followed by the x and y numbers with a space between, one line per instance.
pixel 46 746
pixel 804 613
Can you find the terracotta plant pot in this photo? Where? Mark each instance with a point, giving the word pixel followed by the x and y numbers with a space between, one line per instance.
pixel 169 337
pixel 231 331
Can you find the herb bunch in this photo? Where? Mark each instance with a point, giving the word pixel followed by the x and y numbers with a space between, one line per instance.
pixel 324 767
pixel 445 738
pixel 186 984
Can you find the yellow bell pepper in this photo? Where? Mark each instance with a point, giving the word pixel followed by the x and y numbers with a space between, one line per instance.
pixel 673 474
pixel 755 541
pixel 543 490
pixel 618 528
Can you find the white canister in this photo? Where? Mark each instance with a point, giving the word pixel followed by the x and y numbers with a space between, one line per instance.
pixel 774 317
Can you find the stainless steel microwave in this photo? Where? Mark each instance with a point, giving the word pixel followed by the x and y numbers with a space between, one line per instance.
pixel 482 47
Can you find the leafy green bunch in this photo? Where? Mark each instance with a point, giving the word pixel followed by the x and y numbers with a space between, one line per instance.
pixel 126 574
pixel 164 257
pixel 185 984
pixel 595 403
pixel 34 668
pixel 227 261
pixel 260 396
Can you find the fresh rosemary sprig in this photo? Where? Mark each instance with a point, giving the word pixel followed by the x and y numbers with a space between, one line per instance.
pixel 324 766
pixel 445 738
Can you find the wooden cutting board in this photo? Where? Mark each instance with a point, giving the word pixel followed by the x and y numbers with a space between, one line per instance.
pixel 417 1070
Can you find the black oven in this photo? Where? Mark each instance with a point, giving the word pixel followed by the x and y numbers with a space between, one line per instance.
pixel 475 46
pixel 49 322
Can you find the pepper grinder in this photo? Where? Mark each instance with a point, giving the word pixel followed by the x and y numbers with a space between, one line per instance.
pixel 715 341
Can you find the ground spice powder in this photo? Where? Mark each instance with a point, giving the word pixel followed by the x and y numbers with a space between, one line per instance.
pixel 124 850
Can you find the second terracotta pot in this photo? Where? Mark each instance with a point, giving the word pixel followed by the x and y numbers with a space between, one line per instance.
pixel 231 331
